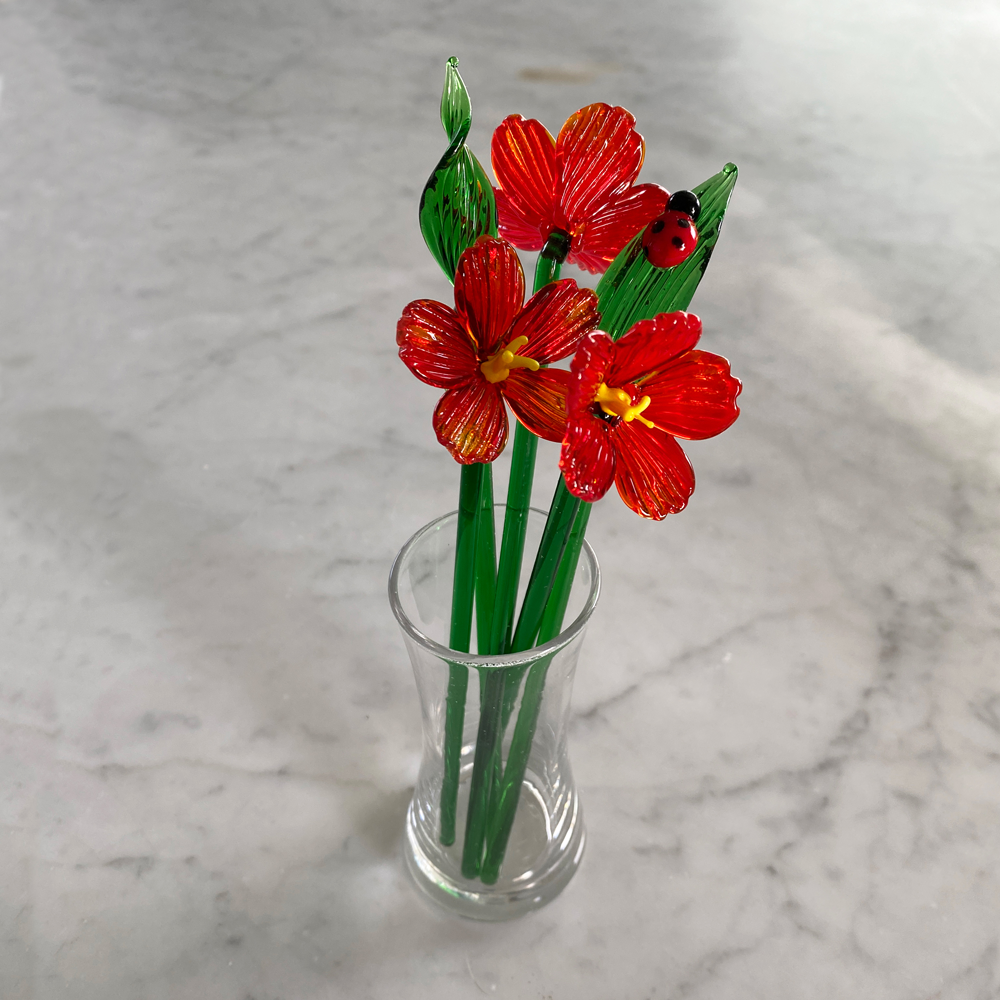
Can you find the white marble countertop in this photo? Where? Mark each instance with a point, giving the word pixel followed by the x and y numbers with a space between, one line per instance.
pixel 787 716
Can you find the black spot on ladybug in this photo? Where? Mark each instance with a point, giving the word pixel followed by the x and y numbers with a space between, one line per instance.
pixel 684 223
pixel 658 226
pixel 678 242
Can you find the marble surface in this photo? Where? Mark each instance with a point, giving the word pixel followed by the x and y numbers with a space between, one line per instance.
pixel 787 717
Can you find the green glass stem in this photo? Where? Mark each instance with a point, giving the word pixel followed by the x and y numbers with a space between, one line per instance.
pixel 461 632
pixel 550 258
pixel 562 514
pixel 486 579
pixel 536 600
pixel 555 609
pixel 522 474
pixel 486 564
pixel 483 769
pixel 508 793
pixel 506 799
pixel 515 524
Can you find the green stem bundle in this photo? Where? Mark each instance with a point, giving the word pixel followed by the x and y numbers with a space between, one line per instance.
pixel 498 628
pixel 550 551
pixel 508 793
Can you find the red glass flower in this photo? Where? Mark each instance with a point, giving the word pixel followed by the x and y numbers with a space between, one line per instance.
pixel 492 346
pixel 629 399
pixel 581 183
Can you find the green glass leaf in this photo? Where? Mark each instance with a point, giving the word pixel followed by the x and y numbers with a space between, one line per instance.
pixel 457 205
pixel 456 107
pixel 633 289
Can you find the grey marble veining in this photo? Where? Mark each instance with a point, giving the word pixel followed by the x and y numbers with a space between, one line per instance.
pixel 787 717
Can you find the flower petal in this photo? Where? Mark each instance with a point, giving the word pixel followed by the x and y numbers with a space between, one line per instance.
pixel 524 164
pixel 434 344
pixel 694 396
pixel 652 343
pixel 538 400
pixel 652 472
pixel 512 226
pixel 587 371
pixel 598 156
pixel 489 291
pixel 587 459
pixel 554 319
pixel 606 232
pixel 471 422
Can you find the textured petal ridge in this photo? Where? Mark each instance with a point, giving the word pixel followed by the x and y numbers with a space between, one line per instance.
pixel 651 343
pixel 524 164
pixel 538 400
pixel 693 396
pixel 489 291
pixel 598 156
pixel 471 422
pixel 652 473
pixel 555 318
pixel 434 344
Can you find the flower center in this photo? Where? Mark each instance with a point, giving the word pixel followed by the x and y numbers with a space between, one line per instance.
pixel 500 365
pixel 618 403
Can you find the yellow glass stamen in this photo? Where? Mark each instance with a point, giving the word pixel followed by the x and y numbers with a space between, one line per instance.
pixel 618 403
pixel 499 366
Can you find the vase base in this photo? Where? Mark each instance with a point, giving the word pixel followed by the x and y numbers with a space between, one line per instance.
pixel 551 863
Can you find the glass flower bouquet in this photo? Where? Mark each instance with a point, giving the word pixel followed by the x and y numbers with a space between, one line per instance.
pixel 494 827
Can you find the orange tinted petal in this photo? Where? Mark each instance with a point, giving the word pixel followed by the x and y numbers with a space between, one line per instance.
pixel 434 345
pixel 693 396
pixel 538 400
pixel 605 234
pixel 598 156
pixel 652 343
pixel 489 291
pixel 471 422
pixel 554 319
pixel 524 164
pixel 652 472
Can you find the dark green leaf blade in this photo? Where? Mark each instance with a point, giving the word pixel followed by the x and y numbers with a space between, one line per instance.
pixel 457 205
pixel 632 289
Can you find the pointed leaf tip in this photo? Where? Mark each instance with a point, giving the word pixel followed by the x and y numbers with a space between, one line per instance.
pixel 456 105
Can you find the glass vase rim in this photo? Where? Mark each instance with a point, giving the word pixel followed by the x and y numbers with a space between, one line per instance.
pixel 496 661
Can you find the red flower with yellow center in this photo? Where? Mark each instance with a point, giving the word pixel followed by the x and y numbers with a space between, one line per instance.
pixel 582 183
pixel 492 346
pixel 628 401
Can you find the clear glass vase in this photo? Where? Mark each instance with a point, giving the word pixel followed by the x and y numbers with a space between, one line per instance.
pixel 521 842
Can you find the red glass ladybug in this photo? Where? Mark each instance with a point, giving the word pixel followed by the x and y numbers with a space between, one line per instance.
pixel 671 238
